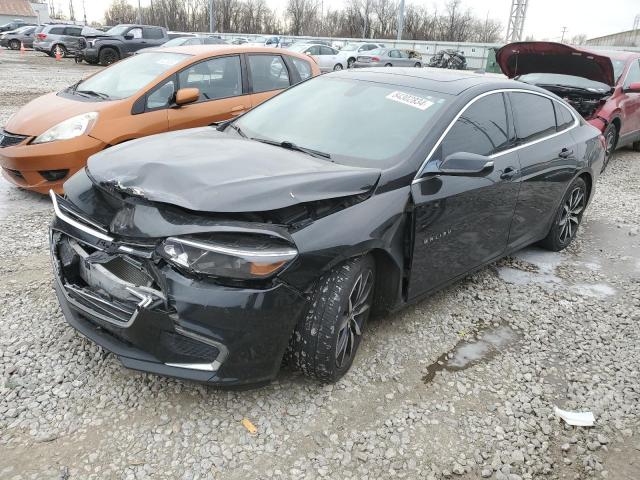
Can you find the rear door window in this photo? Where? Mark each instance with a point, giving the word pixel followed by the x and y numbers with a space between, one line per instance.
pixel 73 31
pixel 57 31
pixel 534 116
pixel 482 129
pixel 268 72
pixel 216 78
pixel 152 33
pixel 633 76
pixel 326 51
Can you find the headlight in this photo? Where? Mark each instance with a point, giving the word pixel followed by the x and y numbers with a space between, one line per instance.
pixel 71 128
pixel 230 256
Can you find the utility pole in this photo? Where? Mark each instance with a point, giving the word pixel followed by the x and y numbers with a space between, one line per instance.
pixel 212 16
pixel 564 30
pixel 140 19
pixel 84 12
pixel 517 16
pixel 400 20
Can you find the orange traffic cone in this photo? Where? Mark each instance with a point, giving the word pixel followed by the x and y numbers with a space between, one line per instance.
pixel 58 54
pixel 22 49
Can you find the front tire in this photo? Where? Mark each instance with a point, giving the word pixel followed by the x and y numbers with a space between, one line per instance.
pixel 326 340
pixel 108 56
pixel 611 140
pixel 350 62
pixel 387 65
pixel 567 220
pixel 63 50
pixel 14 45
pixel 337 67
pixel 418 65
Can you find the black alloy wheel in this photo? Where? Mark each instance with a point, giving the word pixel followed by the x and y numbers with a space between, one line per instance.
pixel 108 56
pixel 611 139
pixel 327 338
pixel 568 218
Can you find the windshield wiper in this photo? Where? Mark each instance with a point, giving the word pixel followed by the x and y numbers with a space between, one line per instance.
pixel 293 146
pixel 91 93
pixel 237 129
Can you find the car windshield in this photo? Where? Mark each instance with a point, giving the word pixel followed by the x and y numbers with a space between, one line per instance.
pixel 176 42
pixel 118 30
pixel 126 77
pixel 360 123
pixel 564 80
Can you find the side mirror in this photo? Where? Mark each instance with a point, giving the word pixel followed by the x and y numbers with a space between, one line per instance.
pixel 128 36
pixel 633 87
pixel 466 164
pixel 184 96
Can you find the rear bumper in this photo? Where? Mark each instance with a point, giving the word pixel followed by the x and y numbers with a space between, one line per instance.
pixel 368 64
pixel 191 328
pixel 33 166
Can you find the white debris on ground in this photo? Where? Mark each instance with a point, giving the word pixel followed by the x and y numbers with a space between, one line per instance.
pixel 69 410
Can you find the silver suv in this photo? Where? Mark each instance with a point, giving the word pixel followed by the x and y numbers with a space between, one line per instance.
pixel 53 36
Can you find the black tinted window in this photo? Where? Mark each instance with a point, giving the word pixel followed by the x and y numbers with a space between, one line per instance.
pixel 57 31
pixel 564 119
pixel 268 72
pixel 152 33
pixel 534 116
pixel 482 129
pixel 73 31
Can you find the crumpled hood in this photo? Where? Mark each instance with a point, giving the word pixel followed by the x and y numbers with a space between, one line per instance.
pixel 521 58
pixel 39 115
pixel 210 171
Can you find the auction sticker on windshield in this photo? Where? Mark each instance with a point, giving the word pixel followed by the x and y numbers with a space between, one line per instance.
pixel 411 100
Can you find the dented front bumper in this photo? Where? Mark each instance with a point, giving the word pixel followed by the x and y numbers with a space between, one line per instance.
pixel 158 320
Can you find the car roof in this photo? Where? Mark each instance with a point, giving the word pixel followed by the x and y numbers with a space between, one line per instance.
pixel 451 82
pixel 222 49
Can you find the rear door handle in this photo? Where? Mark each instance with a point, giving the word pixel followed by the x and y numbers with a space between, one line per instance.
pixel 565 153
pixel 508 173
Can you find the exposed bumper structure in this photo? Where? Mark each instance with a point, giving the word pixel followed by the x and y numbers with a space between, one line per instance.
pixel 161 321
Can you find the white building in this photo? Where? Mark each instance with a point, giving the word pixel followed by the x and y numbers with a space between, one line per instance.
pixel 30 12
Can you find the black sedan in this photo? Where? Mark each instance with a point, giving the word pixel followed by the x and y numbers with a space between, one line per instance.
pixel 212 254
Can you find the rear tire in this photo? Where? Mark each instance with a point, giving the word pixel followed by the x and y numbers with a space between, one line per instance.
pixel 63 50
pixel 326 339
pixel 388 65
pixel 568 218
pixel 418 65
pixel 14 45
pixel 350 62
pixel 108 56
pixel 611 140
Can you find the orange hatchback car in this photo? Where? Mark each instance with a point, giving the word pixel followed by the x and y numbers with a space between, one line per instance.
pixel 52 137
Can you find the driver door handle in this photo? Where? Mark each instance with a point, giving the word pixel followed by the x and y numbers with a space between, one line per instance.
pixel 508 173
pixel 565 153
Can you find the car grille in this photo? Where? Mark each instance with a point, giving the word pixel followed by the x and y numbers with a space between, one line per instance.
pixel 10 139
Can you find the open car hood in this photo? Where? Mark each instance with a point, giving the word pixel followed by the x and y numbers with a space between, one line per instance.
pixel 521 58
pixel 210 171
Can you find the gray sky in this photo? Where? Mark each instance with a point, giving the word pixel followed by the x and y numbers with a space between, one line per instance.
pixel 545 18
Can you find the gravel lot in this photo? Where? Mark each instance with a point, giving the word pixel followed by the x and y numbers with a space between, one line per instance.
pixel 557 330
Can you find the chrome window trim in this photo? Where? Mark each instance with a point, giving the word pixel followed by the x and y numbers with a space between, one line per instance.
pixel 576 122
pixel 74 223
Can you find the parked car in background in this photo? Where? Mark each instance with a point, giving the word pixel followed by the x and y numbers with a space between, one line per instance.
pixel 17 23
pixel 212 255
pixel 327 58
pixel 173 34
pixel 52 37
pixel 122 41
pixel 186 41
pixel 604 87
pixel 387 57
pixel 239 41
pixel 351 51
pixel 23 36
pixel 451 59
pixel 51 137
pixel 265 41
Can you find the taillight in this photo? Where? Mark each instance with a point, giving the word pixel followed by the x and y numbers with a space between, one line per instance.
pixel 375 59
pixel 41 36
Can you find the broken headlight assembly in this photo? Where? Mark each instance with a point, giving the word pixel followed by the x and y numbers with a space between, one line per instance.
pixel 250 257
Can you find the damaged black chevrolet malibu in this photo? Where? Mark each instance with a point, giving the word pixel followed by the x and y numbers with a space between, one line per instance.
pixel 213 254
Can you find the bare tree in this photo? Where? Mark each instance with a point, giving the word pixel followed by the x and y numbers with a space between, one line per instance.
pixel 302 16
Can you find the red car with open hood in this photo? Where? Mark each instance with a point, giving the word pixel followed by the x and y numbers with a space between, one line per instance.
pixel 603 86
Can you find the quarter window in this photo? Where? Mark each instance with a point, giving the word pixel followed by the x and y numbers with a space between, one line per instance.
pixel 534 116
pixel 268 72
pixel 303 67
pixel 482 129
pixel 161 97
pixel 72 31
pixel 564 119
pixel 57 31
pixel 215 78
